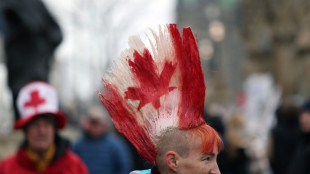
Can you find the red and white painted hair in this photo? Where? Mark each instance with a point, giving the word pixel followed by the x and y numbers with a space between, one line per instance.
pixel 150 90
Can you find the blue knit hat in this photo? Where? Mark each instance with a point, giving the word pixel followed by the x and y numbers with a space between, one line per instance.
pixel 306 105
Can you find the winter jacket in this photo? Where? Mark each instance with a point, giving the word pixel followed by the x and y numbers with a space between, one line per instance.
pixel 107 154
pixel 64 162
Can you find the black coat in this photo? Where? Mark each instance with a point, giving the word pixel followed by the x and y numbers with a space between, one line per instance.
pixel 300 163
pixel 284 140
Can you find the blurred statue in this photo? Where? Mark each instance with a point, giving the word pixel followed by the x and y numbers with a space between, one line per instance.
pixel 31 36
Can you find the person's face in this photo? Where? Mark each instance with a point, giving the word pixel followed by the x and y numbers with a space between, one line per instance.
pixel 94 128
pixel 305 121
pixel 40 134
pixel 198 163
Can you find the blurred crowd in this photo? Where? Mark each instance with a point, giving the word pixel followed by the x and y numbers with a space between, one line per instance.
pixel 261 133
pixel 285 151
pixel 102 149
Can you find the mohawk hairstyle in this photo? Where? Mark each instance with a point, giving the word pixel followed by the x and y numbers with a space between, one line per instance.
pixel 150 90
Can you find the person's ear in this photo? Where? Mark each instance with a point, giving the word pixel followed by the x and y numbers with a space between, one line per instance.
pixel 172 160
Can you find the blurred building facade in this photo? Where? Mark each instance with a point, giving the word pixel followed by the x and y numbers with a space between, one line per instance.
pixel 276 35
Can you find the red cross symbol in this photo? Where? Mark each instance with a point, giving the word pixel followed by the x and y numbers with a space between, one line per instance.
pixel 35 100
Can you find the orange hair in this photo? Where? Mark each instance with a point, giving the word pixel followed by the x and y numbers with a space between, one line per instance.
pixel 209 138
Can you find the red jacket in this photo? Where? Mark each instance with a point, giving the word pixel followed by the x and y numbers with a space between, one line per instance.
pixel 66 163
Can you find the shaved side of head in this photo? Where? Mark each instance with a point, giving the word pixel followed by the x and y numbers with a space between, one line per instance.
pixel 182 141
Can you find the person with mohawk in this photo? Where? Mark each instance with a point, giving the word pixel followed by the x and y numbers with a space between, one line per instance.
pixel 155 97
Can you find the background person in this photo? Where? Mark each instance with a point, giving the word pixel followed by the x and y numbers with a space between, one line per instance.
pixel 301 158
pixel 102 151
pixel 283 137
pixel 44 150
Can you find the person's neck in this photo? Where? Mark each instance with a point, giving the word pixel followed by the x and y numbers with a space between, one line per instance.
pixel 41 153
pixel 41 158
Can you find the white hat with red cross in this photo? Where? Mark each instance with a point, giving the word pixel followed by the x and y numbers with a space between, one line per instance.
pixel 36 99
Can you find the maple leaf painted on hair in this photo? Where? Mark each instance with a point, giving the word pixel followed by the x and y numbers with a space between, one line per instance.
pixel 152 85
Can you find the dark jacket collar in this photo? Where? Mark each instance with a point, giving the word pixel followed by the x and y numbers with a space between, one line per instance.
pixel 61 145
pixel 154 170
